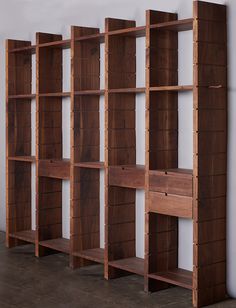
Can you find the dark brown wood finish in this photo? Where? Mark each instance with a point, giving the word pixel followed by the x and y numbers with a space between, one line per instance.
pixel 161 232
pixel 120 144
pixel 48 144
pixel 18 144
pixel 210 146
pixel 85 148
pixel 170 192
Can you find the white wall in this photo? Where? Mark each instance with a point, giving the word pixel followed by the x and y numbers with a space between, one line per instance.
pixel 21 19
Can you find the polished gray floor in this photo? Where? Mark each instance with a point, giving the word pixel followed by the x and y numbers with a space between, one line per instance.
pixel 26 281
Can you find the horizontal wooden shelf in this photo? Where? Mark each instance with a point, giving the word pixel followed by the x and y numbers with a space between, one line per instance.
pixel 100 37
pixel 180 171
pixel 128 90
pixel 58 94
pixel 22 96
pixel 90 92
pixel 23 158
pixel 131 176
pixel 139 31
pixel 54 168
pixel 94 254
pixel 175 25
pixel 177 276
pixel 56 44
pixel 92 165
pixel 172 88
pixel 59 244
pixel 134 265
pixel 24 235
pixel 26 49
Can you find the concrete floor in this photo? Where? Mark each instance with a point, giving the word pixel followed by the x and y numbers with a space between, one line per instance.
pixel 27 282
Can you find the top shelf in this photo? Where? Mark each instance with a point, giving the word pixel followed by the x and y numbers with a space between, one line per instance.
pixel 140 31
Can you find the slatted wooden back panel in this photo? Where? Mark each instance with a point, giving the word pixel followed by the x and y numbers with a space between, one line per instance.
pixel 18 140
pixel 210 146
pixel 85 194
pixel 120 67
pixel 49 137
pixel 162 144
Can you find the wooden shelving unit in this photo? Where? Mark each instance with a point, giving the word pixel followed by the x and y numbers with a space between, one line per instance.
pixel 18 144
pixel 170 192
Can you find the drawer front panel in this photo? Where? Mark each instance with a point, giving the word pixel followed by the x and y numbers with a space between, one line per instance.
pixel 127 177
pixel 177 184
pixel 173 205
pixel 54 169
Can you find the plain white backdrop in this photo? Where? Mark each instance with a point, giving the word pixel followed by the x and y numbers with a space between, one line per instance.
pixel 20 19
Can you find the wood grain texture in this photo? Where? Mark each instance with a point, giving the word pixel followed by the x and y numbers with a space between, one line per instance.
pixel 161 231
pixel 120 144
pixel 210 147
pixel 18 144
pixel 85 143
pixel 48 143
pixel 170 192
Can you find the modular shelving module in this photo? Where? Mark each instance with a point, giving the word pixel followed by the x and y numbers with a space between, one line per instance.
pixel 170 192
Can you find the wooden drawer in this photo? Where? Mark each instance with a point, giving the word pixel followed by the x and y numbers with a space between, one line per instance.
pixel 173 205
pixel 59 169
pixel 132 176
pixel 174 181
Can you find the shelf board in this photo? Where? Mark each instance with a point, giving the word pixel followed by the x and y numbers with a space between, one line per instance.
pixel 57 94
pixel 27 49
pixel 176 276
pixel 95 254
pixel 127 90
pixel 134 265
pixel 140 31
pixel 90 92
pixel 133 31
pixel 22 96
pixel 59 244
pixel 92 165
pixel 174 171
pixel 100 37
pixel 172 88
pixel 175 25
pixel 30 159
pixel 24 235
pixel 57 44
pixel 132 167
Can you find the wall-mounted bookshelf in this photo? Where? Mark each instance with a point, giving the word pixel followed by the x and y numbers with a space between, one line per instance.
pixel 171 192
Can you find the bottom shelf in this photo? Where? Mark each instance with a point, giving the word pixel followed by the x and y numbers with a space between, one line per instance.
pixel 176 276
pixel 95 254
pixel 134 265
pixel 59 244
pixel 24 235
